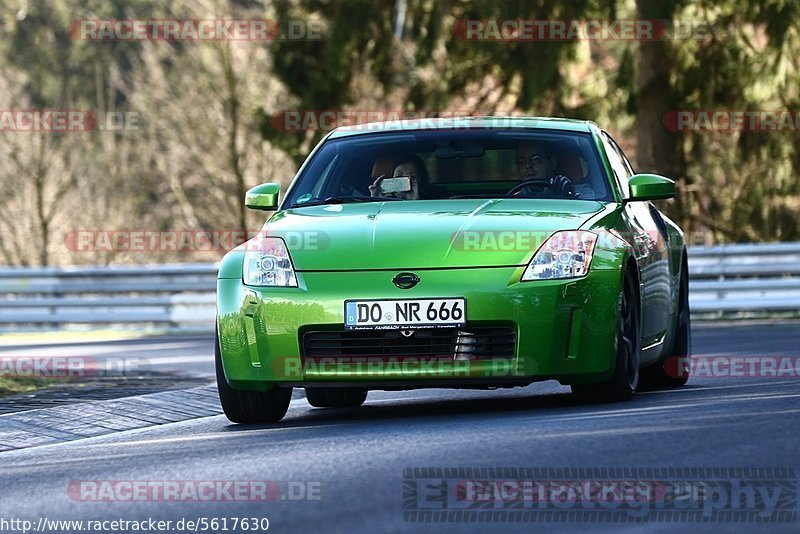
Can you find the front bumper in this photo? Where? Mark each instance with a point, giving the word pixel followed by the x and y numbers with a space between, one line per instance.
pixel 566 329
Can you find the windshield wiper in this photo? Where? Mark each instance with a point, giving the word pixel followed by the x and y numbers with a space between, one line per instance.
pixel 343 200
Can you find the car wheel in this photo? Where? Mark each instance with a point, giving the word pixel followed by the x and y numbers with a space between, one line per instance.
pixel 674 370
pixel 336 397
pixel 625 378
pixel 250 407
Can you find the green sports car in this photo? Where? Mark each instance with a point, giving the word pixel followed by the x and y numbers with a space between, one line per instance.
pixel 469 253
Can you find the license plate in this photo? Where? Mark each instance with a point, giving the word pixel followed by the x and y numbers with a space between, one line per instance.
pixel 395 314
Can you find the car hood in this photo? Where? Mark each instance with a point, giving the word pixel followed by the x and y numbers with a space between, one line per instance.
pixel 424 233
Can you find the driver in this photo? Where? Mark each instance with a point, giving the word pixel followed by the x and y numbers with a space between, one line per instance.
pixel 536 165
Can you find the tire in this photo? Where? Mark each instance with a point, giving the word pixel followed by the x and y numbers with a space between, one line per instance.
pixel 674 371
pixel 336 397
pixel 625 378
pixel 250 407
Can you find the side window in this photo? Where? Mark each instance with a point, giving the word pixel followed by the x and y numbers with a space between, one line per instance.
pixel 622 171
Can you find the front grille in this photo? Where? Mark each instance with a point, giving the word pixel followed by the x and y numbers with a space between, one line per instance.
pixel 477 343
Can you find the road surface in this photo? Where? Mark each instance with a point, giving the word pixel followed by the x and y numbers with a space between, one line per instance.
pixel 354 470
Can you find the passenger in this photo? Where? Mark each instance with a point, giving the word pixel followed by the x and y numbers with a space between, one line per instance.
pixel 410 167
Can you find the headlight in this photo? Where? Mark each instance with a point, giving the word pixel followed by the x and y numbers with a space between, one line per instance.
pixel 267 263
pixel 565 254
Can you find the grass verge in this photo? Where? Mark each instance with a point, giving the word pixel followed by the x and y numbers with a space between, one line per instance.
pixel 12 385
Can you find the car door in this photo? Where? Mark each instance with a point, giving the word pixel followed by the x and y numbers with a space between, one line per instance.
pixel 648 236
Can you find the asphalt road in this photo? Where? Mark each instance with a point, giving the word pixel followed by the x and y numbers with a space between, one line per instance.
pixel 355 464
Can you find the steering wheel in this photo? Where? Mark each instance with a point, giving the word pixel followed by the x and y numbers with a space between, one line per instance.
pixel 517 189
pixel 567 190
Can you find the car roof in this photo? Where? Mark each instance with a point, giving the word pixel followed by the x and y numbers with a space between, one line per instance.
pixel 464 123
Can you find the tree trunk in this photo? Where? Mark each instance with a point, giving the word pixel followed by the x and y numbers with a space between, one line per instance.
pixel 659 149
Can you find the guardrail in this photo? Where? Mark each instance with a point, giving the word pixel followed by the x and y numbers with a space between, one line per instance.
pixel 725 281
pixel 744 280
pixel 180 294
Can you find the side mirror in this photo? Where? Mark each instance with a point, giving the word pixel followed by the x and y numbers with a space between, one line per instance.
pixel 263 197
pixel 650 187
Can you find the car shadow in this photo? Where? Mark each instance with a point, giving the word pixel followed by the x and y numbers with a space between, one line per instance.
pixel 429 409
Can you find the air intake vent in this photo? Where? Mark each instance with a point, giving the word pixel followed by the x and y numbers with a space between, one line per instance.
pixel 481 343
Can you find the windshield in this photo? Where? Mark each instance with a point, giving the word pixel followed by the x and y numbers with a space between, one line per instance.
pixel 448 164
